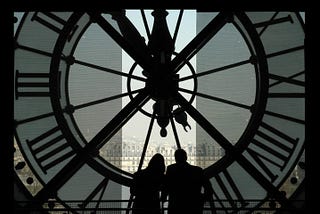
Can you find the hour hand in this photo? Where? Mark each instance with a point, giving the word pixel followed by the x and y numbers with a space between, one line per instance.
pixel 130 33
pixel 128 38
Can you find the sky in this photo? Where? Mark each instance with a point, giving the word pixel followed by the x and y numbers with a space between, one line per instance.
pixel 186 33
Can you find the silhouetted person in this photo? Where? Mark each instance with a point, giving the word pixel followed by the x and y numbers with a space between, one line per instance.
pixel 147 184
pixel 183 185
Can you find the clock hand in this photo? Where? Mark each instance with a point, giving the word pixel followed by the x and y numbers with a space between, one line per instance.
pixel 160 43
pixel 128 30
pixel 131 34
pixel 199 41
pixel 130 40
pixel 90 149
pixel 204 123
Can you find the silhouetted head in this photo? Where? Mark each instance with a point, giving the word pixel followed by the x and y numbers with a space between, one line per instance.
pixel 180 156
pixel 156 163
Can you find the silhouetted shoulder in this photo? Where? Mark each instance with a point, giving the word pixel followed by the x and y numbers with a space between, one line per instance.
pixel 138 173
pixel 195 169
pixel 171 166
pixel 198 168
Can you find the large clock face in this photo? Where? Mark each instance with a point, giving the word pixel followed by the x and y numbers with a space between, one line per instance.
pixel 97 94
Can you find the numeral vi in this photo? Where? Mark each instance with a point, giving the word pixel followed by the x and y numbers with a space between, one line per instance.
pixel 230 192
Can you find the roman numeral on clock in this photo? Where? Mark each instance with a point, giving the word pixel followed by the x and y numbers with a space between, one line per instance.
pixel 50 148
pixel 101 187
pixel 31 84
pixel 230 191
pixel 289 80
pixel 271 151
pixel 272 21
pixel 52 22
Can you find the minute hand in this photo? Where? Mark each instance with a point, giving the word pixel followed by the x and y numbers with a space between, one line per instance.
pixel 199 41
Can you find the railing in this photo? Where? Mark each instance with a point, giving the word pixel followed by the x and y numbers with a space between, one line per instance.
pixel 121 207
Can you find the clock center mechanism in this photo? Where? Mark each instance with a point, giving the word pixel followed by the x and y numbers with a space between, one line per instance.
pixel 163 85
pixel 162 82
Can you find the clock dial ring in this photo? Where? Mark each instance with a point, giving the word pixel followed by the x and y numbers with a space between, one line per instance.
pixel 265 125
pixel 260 58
